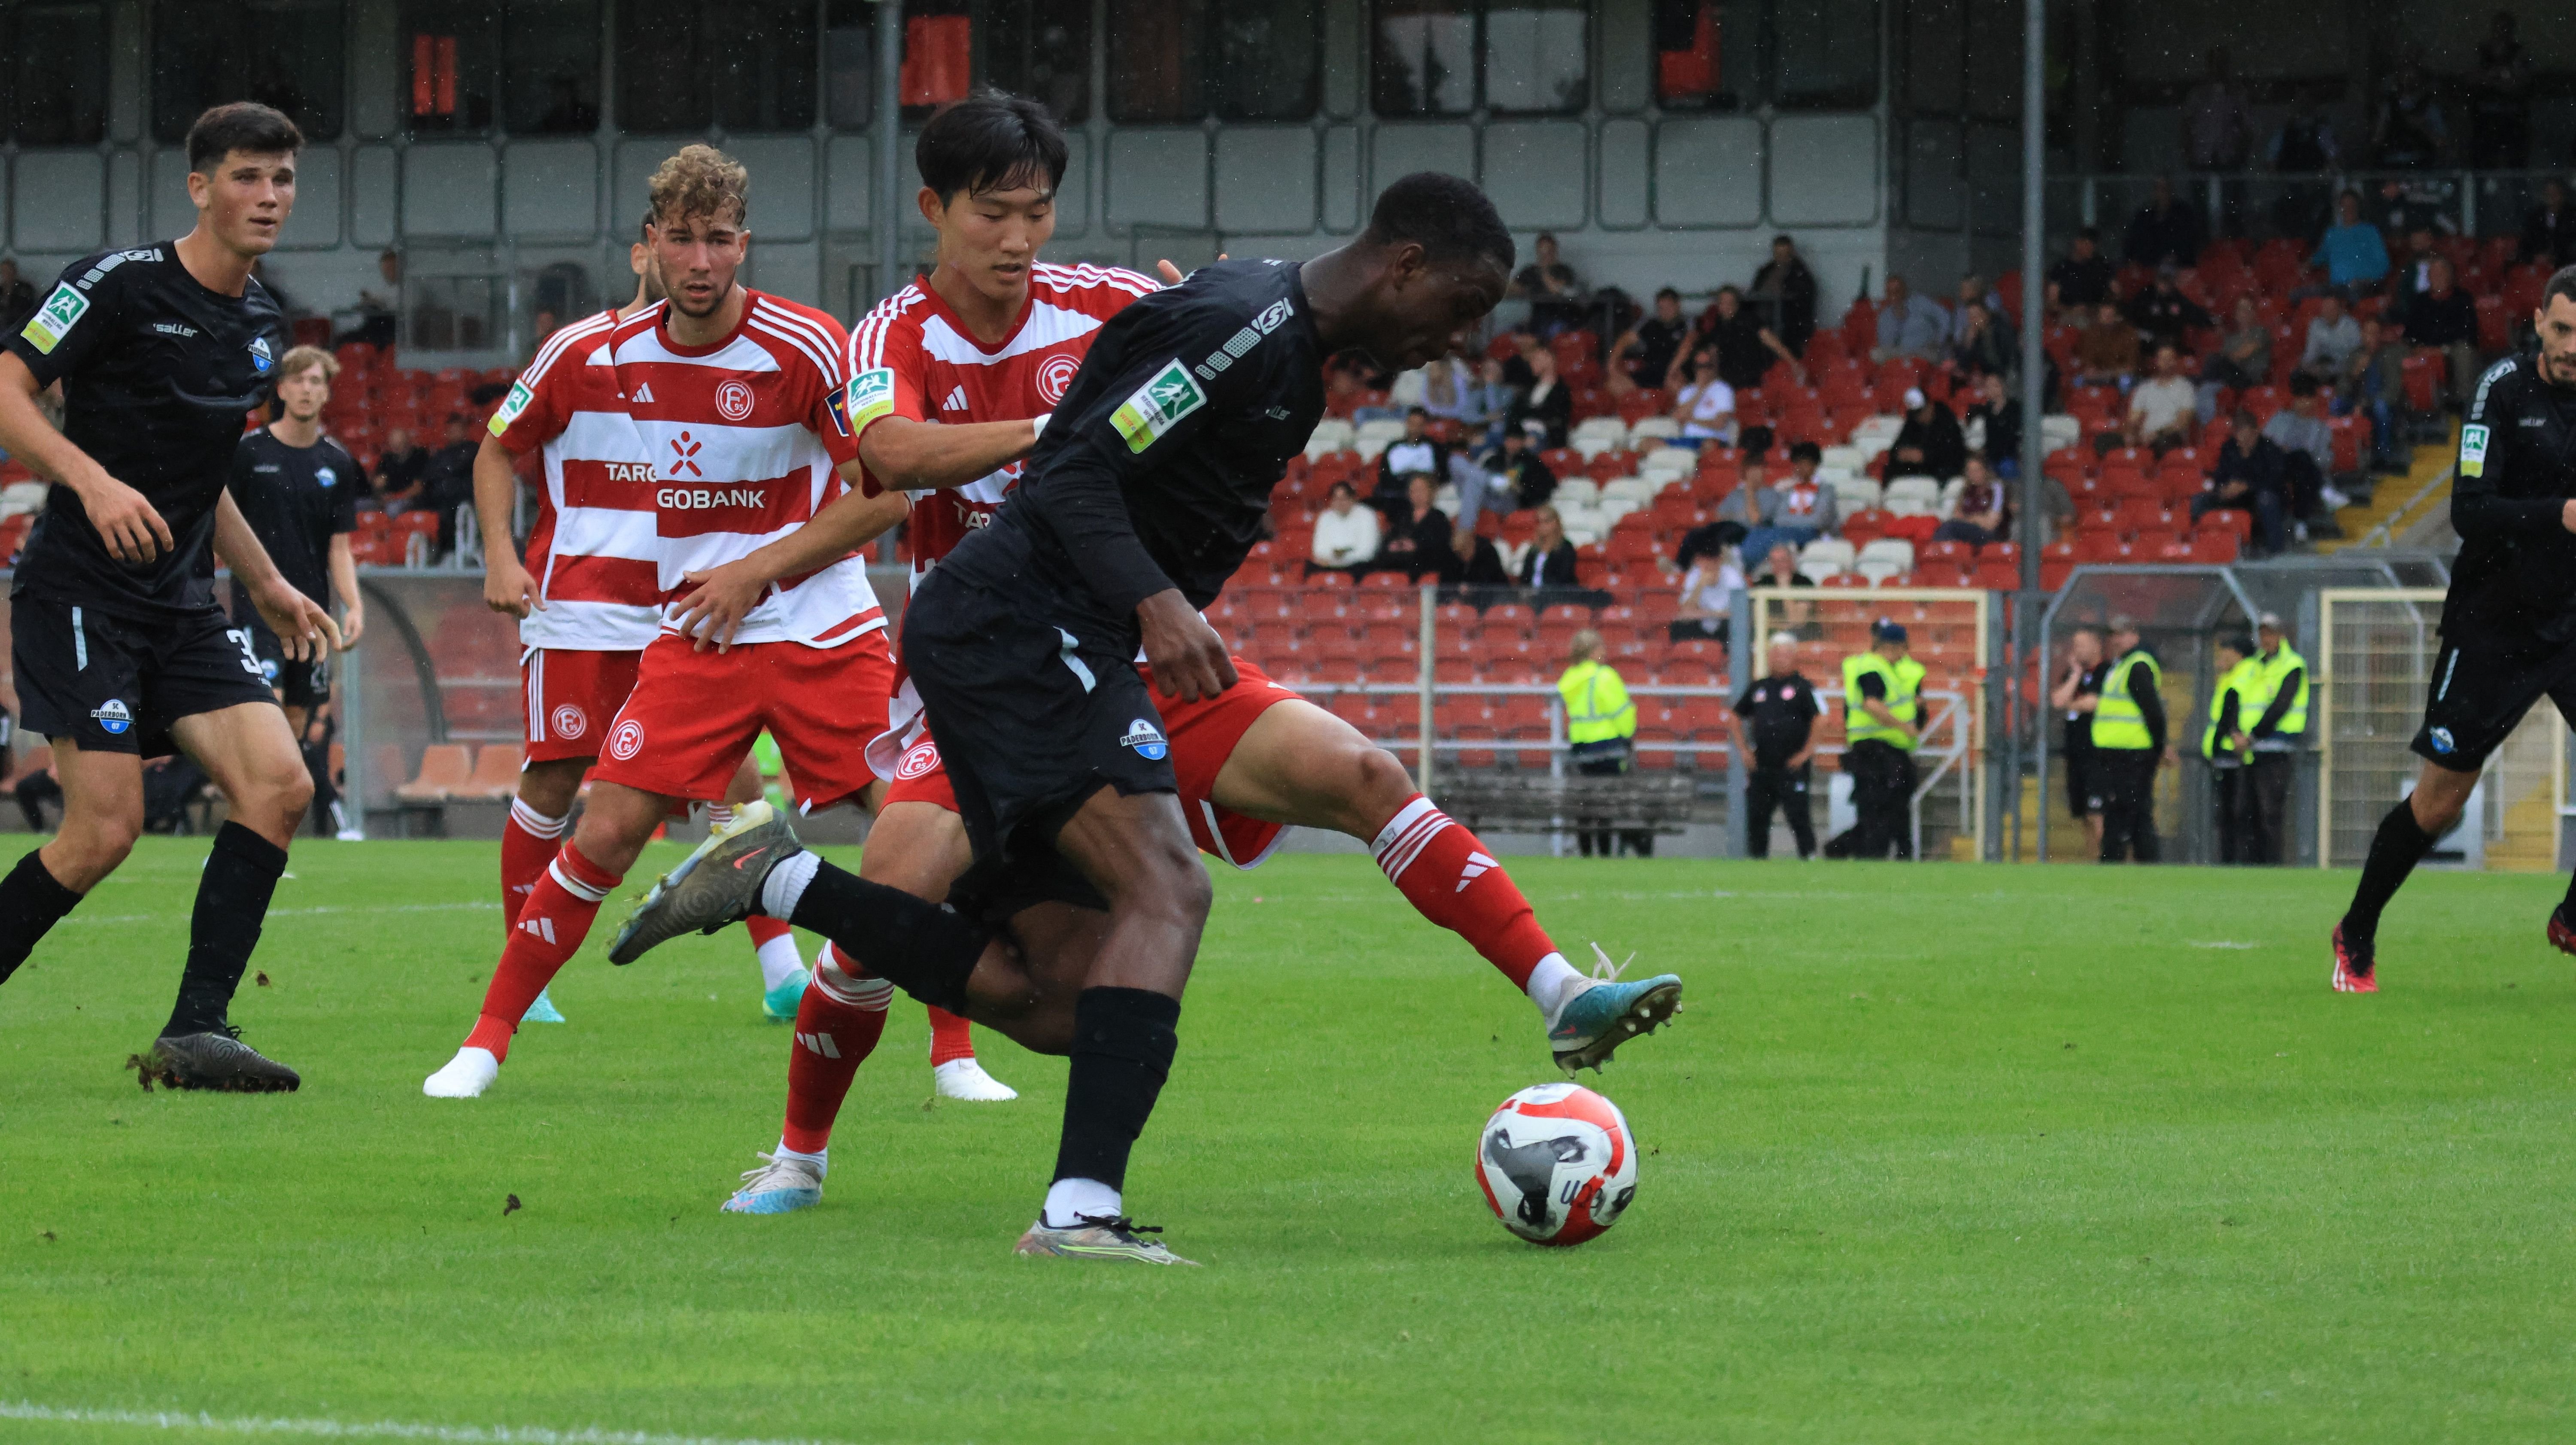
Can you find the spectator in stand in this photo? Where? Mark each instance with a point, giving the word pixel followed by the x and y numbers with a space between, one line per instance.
pixel 2249 478
pixel 2082 280
pixel 1554 292
pixel 1708 596
pixel 1745 347
pixel 400 473
pixel 1984 510
pixel 1346 533
pixel 1992 426
pixel 2412 275
pixel 1643 357
pixel 2163 314
pixel 1548 405
pixel 1780 713
pixel 1518 469
pixel 17 298
pixel 2305 143
pixel 377 308
pixel 1705 406
pixel 1548 560
pixel 2500 100
pixel 1750 496
pixel 2165 230
pixel 2308 444
pixel 2107 353
pixel 1418 541
pixel 2164 407
pixel 1416 451
pixel 1981 348
pixel 2244 357
pixel 2549 229
pixel 1797 511
pixel 2409 132
pixel 2354 255
pixel 1909 325
pixel 2447 317
pixel 2373 383
pixel 1780 569
pixel 2217 123
pixel 447 482
pixel 1930 443
pixel 1480 562
pixel 2332 336
pixel 1973 291
pixel 1785 293
pixel 1489 401
pixel 1449 391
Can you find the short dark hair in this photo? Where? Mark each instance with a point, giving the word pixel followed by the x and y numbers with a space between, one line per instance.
pixel 2243 419
pixel 2090 233
pixel 1340 487
pixel 1663 291
pixel 1423 412
pixel 990 141
pixel 1806 452
pixel 243 125
pixel 2561 283
pixel 1447 217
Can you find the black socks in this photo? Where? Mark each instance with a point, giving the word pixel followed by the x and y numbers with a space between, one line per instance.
pixel 921 948
pixel 1122 1051
pixel 32 901
pixel 232 902
pixel 2400 844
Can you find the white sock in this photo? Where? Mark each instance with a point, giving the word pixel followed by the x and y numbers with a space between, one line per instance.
pixel 821 1159
pixel 718 815
pixel 1068 1201
pixel 786 884
pixel 536 824
pixel 779 961
pixel 870 992
pixel 1548 982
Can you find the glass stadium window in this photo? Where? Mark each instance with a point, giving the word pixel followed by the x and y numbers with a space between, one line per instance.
pixel 939 42
pixel 1707 54
pixel 550 67
pixel 1514 57
pixel 1826 54
pixel 1184 60
pixel 291 54
pixel 1041 49
pixel 53 73
pixel 761 77
pixel 451 80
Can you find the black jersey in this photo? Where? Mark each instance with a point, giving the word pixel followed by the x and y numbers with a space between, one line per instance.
pixel 1781 714
pixel 1156 471
pixel 297 499
pixel 2514 583
pixel 157 374
pixel 2079 724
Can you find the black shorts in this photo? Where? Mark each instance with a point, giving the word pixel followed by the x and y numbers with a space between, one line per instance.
pixel 1035 709
pixel 2479 694
pixel 109 685
pixel 300 684
pixel 2081 800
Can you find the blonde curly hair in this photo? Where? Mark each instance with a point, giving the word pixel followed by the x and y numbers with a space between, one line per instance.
pixel 701 181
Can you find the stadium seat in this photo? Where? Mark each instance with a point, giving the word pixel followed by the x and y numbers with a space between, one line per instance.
pixel 496 772
pixel 444 769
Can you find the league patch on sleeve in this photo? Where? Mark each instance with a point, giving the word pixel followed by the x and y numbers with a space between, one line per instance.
pixel 54 320
pixel 511 406
pixel 869 395
pixel 2473 450
pixel 1158 406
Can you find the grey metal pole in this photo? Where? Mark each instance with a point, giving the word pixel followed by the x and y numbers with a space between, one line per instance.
pixel 889 147
pixel 2034 284
pixel 1741 650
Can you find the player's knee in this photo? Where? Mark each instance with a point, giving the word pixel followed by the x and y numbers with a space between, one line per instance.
pixel 1379 784
pixel 1168 877
pixel 95 844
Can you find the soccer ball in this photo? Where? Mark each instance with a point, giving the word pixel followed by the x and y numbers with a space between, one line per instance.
pixel 1557 1163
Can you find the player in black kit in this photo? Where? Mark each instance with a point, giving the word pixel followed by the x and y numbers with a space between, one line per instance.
pixel 2509 623
pixel 120 650
pixel 1146 491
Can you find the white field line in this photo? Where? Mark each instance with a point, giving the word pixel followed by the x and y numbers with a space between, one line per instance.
pixel 482 905
pixel 361 1429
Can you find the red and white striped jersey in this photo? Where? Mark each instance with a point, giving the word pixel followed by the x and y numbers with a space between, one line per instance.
pixel 593 550
pixel 912 357
pixel 744 435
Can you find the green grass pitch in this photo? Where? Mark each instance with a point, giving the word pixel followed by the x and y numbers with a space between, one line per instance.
pixel 1935 1153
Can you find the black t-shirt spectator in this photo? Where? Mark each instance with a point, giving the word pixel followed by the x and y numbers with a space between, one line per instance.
pixel 1402 459
pixel 2550 236
pixel 1546 569
pixel 1790 290
pixel 2261 470
pixel 1658 342
pixel 1742 358
pixel 1485 567
pixel 1780 712
pixel 1937 436
pixel 2003 430
pixel 1555 410
pixel 1429 550
pixel 2079 725
pixel 397 474
pixel 2442 320
pixel 1532 481
pixel 2166 315
pixel 2082 283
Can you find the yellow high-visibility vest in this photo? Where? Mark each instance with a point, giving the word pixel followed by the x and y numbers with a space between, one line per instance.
pixel 2274 670
pixel 2245 677
pixel 2117 721
pixel 1597 708
pixel 1903 679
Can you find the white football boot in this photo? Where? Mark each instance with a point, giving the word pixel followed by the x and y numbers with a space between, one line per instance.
pixel 965 1079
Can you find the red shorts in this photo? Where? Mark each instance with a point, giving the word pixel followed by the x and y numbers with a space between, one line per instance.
pixel 693 716
pixel 571 696
pixel 1203 736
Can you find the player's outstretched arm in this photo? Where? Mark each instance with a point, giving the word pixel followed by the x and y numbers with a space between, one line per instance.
pixel 131 528
pixel 303 626
pixel 920 456
pixel 507 587
pixel 712 613
pixel 344 580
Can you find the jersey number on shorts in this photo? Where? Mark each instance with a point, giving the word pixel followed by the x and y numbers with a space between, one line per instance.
pixel 250 655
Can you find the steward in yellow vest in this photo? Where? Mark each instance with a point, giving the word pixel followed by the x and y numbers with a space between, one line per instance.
pixel 2239 681
pixel 1601 723
pixel 2128 740
pixel 2275 727
pixel 1882 721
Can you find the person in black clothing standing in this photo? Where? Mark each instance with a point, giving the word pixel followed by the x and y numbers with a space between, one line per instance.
pixel 447 479
pixel 2076 687
pixel 2230 780
pixel 1780 711
pixel 1786 292
pixel 299 491
pixel 2509 624
pixel 119 648
pixel 2082 280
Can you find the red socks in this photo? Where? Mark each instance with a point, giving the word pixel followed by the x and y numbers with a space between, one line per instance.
pixel 1451 878
pixel 763 929
pixel 837 1024
pixel 550 928
pixel 950 1036
pixel 528 843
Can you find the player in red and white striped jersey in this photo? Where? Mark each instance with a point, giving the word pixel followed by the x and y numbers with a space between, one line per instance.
pixel 735 398
pixel 991 330
pixel 588 597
